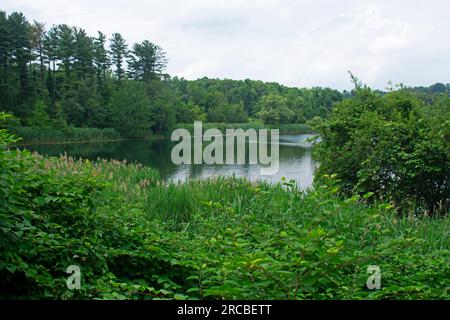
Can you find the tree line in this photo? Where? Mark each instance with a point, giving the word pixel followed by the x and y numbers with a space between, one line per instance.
pixel 60 76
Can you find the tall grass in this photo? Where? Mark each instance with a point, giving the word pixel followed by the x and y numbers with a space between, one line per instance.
pixel 69 134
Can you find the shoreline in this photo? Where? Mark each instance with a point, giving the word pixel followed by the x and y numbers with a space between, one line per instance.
pixel 83 141
pixel 220 126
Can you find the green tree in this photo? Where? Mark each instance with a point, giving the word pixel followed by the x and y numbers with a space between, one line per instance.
pixel 39 116
pixel 147 61
pixel 37 42
pixel 65 48
pixel 274 110
pixel 119 52
pixel 131 110
pixel 101 57
pixel 393 146
pixel 83 54
pixel 190 112
pixel 50 46
pixel 20 55
pixel 82 104
pixel 231 113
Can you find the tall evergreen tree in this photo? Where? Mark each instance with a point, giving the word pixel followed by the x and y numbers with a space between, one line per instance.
pixel 119 52
pixel 83 54
pixel 5 57
pixel 20 57
pixel 101 57
pixel 65 48
pixel 147 61
pixel 50 43
pixel 37 42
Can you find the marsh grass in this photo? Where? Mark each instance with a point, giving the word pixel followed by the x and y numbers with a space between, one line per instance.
pixel 32 135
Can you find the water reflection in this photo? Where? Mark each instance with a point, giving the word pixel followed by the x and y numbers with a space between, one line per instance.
pixel 295 159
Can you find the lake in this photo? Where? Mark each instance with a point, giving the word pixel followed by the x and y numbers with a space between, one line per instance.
pixel 295 159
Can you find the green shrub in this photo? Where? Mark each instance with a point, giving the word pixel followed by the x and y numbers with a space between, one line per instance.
pixel 391 145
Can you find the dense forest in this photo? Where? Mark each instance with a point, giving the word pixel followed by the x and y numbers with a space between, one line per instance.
pixel 61 78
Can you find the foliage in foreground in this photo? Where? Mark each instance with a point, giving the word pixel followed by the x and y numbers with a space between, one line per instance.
pixel 135 237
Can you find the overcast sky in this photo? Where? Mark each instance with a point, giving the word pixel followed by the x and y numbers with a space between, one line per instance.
pixel 297 43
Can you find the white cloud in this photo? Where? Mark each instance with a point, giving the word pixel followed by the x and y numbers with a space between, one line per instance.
pixel 299 43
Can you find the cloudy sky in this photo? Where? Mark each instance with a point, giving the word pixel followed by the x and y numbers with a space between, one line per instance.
pixel 297 43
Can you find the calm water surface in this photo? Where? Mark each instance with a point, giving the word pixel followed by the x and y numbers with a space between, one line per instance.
pixel 295 159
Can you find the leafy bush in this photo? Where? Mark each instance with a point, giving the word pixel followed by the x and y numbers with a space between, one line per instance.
pixel 47 223
pixel 393 146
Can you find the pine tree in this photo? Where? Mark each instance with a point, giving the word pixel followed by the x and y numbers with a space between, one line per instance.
pixel 50 44
pixel 101 57
pixel 83 54
pixel 37 42
pixel 119 52
pixel 20 56
pixel 147 61
pixel 65 49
